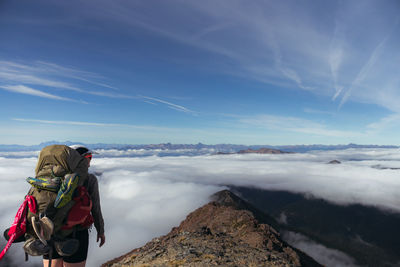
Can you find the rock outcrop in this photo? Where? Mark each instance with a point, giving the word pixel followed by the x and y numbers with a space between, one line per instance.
pixel 223 232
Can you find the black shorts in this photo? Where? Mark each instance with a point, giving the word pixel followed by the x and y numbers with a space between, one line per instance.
pixel 81 254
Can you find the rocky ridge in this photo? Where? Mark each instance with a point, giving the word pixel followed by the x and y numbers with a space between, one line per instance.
pixel 262 151
pixel 221 233
pixel 255 151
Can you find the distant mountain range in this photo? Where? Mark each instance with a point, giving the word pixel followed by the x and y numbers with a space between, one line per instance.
pixel 224 148
pixel 256 151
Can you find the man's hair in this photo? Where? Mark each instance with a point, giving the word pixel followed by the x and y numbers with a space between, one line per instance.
pixel 82 150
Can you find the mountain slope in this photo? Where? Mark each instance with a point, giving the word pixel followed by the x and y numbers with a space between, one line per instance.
pixel 368 234
pixel 223 232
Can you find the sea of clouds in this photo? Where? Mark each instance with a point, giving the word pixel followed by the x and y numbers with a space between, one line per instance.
pixel 144 197
pixel 325 256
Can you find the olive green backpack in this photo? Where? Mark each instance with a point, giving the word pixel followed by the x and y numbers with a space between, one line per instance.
pixel 59 171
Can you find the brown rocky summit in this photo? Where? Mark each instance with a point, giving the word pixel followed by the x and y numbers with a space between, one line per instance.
pixel 221 233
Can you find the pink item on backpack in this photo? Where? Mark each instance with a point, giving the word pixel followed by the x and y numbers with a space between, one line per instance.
pixel 18 227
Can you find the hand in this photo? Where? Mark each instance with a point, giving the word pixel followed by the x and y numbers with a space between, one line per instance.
pixel 102 239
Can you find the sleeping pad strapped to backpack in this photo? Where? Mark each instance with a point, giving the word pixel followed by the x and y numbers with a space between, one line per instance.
pixel 59 171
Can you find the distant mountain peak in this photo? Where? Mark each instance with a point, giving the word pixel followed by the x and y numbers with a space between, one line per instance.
pixel 219 233
pixel 227 198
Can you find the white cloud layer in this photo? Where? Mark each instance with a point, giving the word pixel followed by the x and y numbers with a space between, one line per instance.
pixel 144 197
pixel 326 256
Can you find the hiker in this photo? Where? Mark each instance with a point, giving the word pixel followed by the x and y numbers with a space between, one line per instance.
pixel 56 205
pixel 79 258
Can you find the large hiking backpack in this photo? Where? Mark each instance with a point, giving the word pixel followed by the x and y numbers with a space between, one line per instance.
pixel 59 171
pixel 57 193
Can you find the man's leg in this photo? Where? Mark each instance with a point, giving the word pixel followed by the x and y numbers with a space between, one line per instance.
pixel 79 258
pixel 54 263
pixel 78 264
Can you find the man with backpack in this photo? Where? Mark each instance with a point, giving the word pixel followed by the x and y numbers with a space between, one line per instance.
pixel 54 201
pixel 78 259
pixel 61 205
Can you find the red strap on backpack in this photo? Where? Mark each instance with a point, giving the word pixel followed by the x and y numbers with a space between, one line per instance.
pixel 79 214
pixel 18 227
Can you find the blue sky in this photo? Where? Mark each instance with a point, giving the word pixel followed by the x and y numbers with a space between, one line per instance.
pixel 244 72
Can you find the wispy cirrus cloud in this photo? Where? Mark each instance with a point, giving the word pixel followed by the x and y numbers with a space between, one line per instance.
pixel 22 89
pixel 364 71
pixel 385 123
pixel 47 74
pixel 169 104
pixel 90 124
pixel 20 77
pixel 326 51
pixel 266 37
pixel 46 128
pixel 294 124
pixel 336 56
pixel 316 111
pixel 85 76
pixel 34 79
